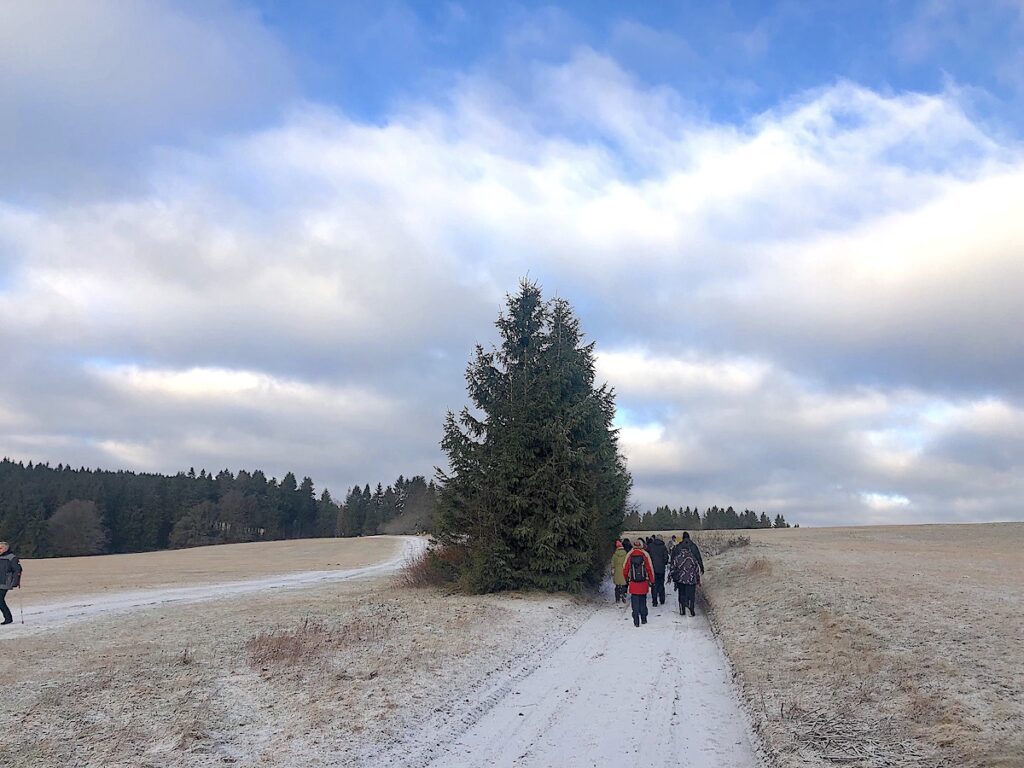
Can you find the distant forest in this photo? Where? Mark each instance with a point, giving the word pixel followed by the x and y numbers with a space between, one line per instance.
pixel 714 518
pixel 47 511
pixel 51 512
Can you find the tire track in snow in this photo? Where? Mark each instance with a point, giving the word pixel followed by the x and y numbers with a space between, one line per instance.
pixel 607 692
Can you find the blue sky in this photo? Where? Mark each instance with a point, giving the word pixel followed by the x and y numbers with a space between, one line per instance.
pixel 729 59
pixel 269 234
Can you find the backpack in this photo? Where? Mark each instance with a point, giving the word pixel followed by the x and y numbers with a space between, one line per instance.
pixel 637 568
pixel 684 567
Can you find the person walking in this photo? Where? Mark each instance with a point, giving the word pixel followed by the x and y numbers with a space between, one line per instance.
pixel 618 561
pixel 672 548
pixel 639 575
pixel 10 578
pixel 659 559
pixel 687 567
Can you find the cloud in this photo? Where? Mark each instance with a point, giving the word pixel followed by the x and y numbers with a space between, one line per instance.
pixel 798 311
pixel 784 444
pixel 86 88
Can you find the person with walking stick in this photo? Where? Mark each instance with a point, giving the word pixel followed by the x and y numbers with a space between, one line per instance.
pixel 10 578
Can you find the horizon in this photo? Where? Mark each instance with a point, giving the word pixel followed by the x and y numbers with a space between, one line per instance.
pixel 270 234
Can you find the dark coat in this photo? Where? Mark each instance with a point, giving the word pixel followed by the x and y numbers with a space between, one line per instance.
pixel 10 571
pixel 659 555
pixel 696 552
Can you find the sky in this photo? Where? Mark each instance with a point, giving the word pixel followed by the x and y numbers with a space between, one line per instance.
pixel 269 234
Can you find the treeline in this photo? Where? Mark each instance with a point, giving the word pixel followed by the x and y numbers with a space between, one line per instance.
pixel 714 518
pixel 47 511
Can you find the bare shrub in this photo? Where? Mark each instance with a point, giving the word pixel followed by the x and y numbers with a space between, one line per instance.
pixel 76 529
pixel 434 567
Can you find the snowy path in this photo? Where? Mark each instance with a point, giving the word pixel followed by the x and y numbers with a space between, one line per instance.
pixel 658 695
pixel 56 614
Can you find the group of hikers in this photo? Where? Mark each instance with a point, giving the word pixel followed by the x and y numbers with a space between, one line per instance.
pixel 10 578
pixel 641 567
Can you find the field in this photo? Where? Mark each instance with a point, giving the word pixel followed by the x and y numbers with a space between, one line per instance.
pixel 862 647
pixel 311 676
pixel 878 646
pixel 69 577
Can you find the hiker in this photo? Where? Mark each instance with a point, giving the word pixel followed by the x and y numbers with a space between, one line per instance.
pixel 687 567
pixel 10 578
pixel 639 575
pixel 659 559
pixel 618 562
pixel 672 548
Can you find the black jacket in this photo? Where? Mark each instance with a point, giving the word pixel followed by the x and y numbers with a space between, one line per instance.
pixel 696 553
pixel 10 571
pixel 659 555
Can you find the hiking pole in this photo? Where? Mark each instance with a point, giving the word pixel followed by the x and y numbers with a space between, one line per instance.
pixel 21 606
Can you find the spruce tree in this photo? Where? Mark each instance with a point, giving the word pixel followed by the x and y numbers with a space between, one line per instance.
pixel 536 488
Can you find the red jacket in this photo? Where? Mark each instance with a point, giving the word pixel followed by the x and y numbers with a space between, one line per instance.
pixel 639 587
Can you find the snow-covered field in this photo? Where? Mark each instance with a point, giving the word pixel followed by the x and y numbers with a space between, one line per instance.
pixel 863 647
pixel 887 646
pixel 80 603
pixel 355 669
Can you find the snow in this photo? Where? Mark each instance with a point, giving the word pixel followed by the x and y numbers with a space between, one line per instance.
pixel 565 682
pixel 609 693
pixel 49 615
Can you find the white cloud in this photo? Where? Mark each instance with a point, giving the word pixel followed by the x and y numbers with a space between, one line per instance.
pixel 86 86
pixel 884 501
pixel 811 304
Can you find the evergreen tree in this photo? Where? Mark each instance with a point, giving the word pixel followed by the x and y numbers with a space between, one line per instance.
pixel 536 488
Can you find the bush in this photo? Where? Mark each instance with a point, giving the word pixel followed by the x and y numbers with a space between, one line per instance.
pixel 76 529
pixel 433 567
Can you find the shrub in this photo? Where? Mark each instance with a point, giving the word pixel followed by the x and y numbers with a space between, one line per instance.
pixel 77 529
pixel 433 567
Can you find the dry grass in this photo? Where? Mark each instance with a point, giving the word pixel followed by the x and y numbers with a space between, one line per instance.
pixel 312 678
pixel 878 646
pixel 713 543
pixel 759 566
pixel 61 578
pixel 310 644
